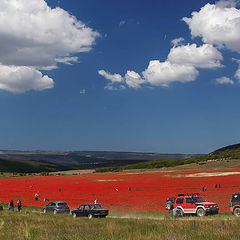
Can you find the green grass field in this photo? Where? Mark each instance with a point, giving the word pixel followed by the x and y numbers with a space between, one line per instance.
pixel 32 224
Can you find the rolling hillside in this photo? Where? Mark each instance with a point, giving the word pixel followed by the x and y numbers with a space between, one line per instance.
pixel 39 161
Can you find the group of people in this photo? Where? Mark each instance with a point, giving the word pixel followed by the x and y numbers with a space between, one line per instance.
pixel 11 205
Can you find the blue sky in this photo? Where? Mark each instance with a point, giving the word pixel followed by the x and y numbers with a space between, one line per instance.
pixel 53 96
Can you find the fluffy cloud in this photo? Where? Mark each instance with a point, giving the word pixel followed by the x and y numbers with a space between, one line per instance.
pixel 180 66
pixel 237 75
pixel 205 56
pixel 133 79
pixel 22 79
pixel 177 41
pixel 224 80
pixel 34 35
pixel 114 78
pixel 217 24
pixel 163 73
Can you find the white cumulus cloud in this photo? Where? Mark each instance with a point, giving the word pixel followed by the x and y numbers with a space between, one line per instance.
pixel 163 73
pixel 205 56
pixel 224 80
pixel 112 77
pixel 133 79
pixel 217 24
pixel 33 35
pixel 19 79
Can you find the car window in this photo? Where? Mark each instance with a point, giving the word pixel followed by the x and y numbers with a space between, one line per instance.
pixel 62 204
pixel 97 206
pixel 199 199
pixel 86 207
pixel 188 200
pixel 179 200
pixel 52 204
pixel 81 207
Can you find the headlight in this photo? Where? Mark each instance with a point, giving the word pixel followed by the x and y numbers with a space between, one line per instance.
pixel 207 206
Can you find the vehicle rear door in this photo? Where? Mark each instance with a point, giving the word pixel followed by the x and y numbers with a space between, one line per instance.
pixel 179 202
pixel 51 207
pixel 189 205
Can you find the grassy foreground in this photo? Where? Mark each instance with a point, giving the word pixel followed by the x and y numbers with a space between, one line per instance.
pixel 31 224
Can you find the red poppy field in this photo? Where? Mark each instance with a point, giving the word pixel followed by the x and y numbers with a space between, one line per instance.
pixel 128 191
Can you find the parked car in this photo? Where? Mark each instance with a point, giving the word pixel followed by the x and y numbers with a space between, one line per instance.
pixel 90 211
pixel 192 204
pixel 56 207
pixel 235 204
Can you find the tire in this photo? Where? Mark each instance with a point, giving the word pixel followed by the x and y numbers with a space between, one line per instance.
pixel 201 212
pixel 90 216
pixel 44 210
pixel 55 211
pixel 74 215
pixel 180 213
pixel 236 212
pixel 169 206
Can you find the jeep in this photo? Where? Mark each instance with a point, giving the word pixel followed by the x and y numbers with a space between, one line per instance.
pixel 192 204
pixel 235 204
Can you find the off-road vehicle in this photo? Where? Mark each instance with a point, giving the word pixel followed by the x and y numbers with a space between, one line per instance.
pixel 192 204
pixel 235 204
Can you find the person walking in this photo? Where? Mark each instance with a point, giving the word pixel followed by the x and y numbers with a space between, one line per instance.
pixel 36 197
pixel 19 204
pixel 11 206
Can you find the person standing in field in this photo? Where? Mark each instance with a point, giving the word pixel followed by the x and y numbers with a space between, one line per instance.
pixel 19 203
pixel 36 197
pixel 11 206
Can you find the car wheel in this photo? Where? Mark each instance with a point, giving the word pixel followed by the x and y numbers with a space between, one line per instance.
pixel 169 206
pixel 74 215
pixel 180 213
pixel 236 211
pixel 44 210
pixel 55 211
pixel 90 216
pixel 201 212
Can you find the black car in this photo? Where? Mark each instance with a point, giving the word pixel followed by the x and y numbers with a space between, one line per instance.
pixel 90 211
pixel 56 207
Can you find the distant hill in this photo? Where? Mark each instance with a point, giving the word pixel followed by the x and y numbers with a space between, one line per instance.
pixel 230 147
pixel 26 166
pixel 226 153
pixel 38 161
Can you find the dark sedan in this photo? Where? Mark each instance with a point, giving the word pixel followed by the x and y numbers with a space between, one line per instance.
pixel 90 211
pixel 56 207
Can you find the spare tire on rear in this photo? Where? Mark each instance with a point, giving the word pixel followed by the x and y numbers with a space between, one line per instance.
pixel 169 205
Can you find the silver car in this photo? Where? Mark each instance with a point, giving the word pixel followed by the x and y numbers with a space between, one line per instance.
pixel 56 207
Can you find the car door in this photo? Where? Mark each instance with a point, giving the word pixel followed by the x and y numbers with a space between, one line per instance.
pixel 80 211
pixel 86 210
pixel 189 205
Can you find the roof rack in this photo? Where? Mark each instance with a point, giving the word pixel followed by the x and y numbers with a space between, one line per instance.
pixel 187 194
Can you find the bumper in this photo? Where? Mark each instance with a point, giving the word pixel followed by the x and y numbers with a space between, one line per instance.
pixel 212 210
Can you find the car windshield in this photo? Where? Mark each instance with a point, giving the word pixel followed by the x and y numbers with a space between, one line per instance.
pixel 62 204
pixel 96 206
pixel 199 199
